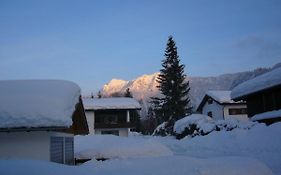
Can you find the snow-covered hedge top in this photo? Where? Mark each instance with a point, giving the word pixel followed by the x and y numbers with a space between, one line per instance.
pixel 220 96
pixel 267 115
pixel 37 103
pixel 205 124
pixel 110 103
pixel 203 121
pixel 259 83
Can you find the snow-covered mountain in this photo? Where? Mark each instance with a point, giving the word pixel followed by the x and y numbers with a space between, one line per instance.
pixel 144 87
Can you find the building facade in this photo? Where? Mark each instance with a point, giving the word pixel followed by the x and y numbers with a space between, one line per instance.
pixel 30 130
pixel 219 106
pixel 111 115
pixel 263 96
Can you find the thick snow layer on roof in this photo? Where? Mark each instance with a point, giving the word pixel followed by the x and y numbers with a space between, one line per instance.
pixel 110 103
pixel 267 115
pixel 220 96
pixel 37 103
pixel 264 81
pixel 109 146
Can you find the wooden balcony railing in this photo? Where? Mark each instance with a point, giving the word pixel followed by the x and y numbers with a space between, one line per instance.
pixel 115 125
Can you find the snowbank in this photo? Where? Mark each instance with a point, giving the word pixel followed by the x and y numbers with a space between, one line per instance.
pixel 267 115
pixel 110 103
pixel 261 82
pixel 261 142
pixel 176 165
pixel 37 103
pixel 109 146
pixel 198 124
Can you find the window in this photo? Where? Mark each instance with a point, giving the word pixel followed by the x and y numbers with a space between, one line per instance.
pixel 210 114
pixel 210 101
pixel 112 132
pixel 237 111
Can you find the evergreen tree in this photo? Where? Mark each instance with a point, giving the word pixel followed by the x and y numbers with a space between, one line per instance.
pixel 99 95
pixel 128 93
pixel 173 86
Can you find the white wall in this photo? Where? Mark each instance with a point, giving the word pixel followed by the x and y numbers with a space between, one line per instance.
pixel 124 132
pixel 243 117
pixel 26 145
pixel 221 112
pixel 90 116
pixel 215 108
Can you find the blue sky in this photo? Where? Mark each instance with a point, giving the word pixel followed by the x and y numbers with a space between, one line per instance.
pixel 90 42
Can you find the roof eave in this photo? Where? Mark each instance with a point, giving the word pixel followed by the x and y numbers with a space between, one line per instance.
pixel 28 129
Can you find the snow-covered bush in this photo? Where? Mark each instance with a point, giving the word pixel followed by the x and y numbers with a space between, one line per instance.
pixel 161 130
pixel 193 125
pixel 198 124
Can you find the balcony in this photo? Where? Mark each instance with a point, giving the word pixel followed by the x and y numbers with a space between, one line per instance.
pixel 114 125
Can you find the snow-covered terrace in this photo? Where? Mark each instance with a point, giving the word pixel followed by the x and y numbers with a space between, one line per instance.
pixel 37 103
pixel 110 103
pixel 262 82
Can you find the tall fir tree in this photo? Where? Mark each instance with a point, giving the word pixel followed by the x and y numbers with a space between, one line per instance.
pixel 173 86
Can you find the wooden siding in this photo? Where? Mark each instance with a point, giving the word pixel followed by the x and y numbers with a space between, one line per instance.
pixel 264 101
pixel 79 126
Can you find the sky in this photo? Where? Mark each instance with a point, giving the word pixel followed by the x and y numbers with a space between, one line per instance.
pixel 90 42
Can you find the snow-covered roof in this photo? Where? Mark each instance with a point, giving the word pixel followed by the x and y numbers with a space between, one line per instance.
pixel 267 115
pixel 110 103
pixel 37 103
pixel 220 96
pixel 262 82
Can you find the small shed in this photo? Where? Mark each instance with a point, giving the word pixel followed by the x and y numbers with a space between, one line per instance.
pixel 219 106
pixel 38 119
pixel 263 96
pixel 110 115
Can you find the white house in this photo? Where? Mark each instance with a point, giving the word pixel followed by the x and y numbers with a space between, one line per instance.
pixel 110 115
pixel 38 119
pixel 219 106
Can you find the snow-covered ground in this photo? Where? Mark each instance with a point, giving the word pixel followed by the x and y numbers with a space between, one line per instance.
pixel 250 152
pixel 114 147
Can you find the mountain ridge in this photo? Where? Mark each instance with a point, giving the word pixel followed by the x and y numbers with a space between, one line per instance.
pixel 144 87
